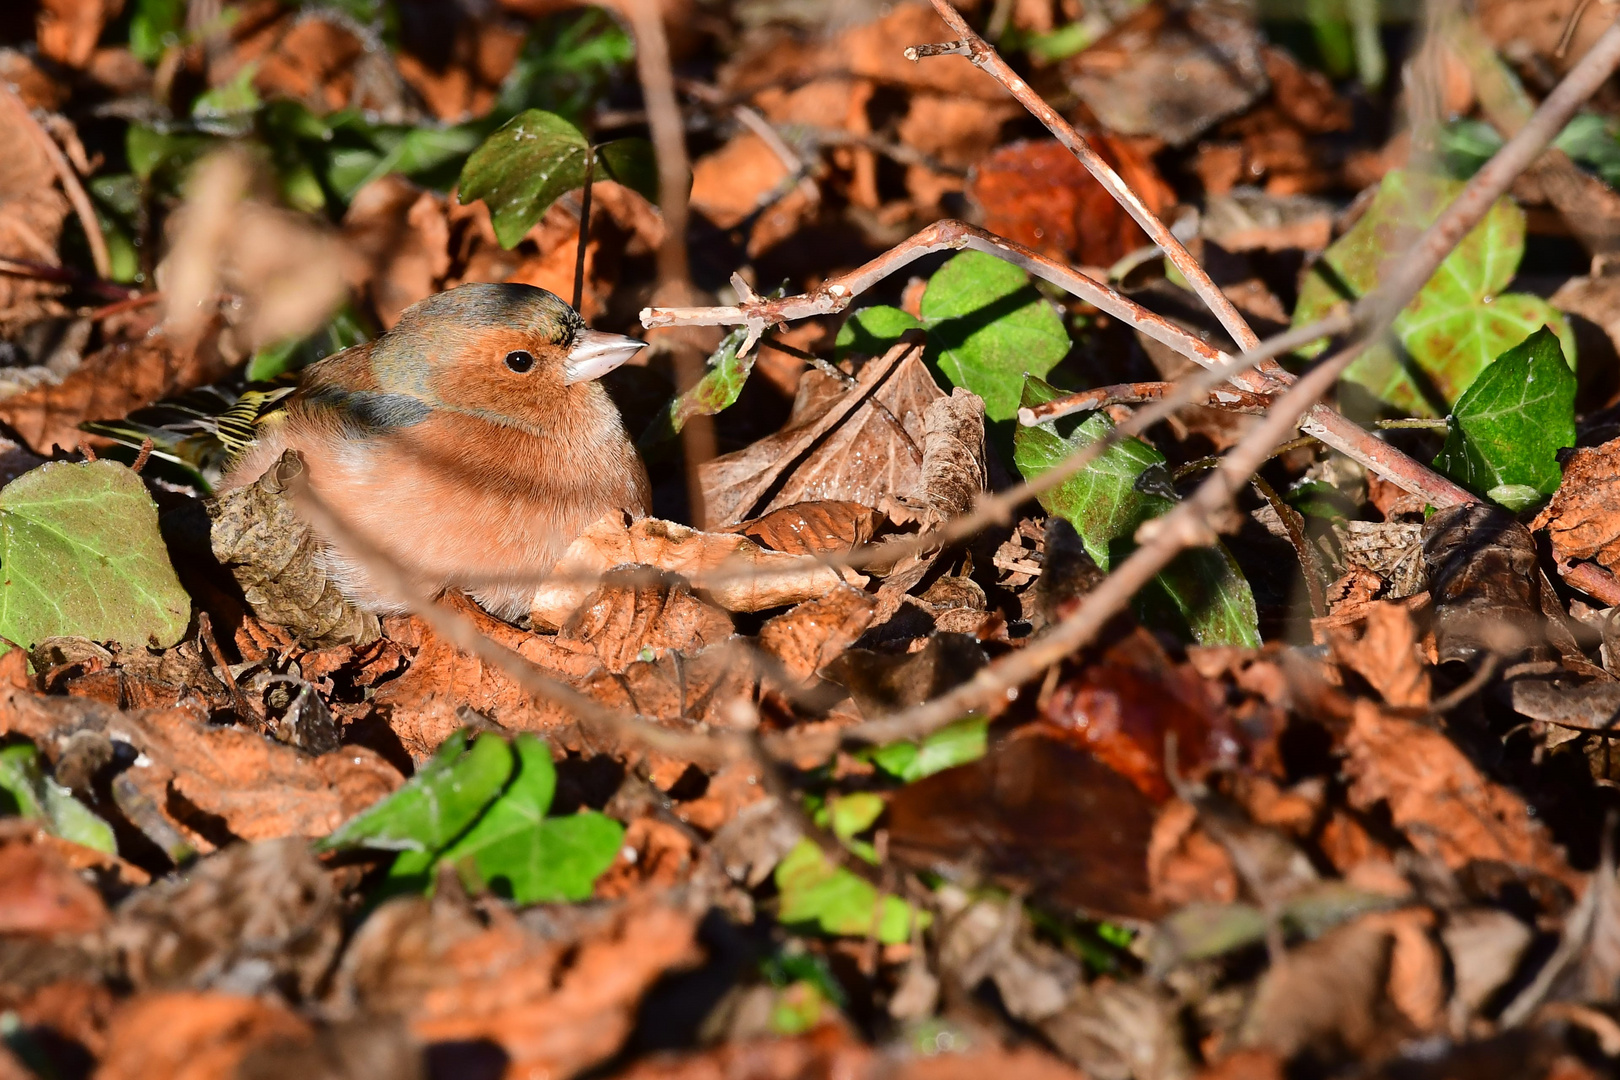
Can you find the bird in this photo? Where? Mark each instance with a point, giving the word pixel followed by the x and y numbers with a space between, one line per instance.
pixel 470 444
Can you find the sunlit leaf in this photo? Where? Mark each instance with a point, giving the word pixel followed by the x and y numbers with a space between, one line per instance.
pixel 820 894
pixel 32 794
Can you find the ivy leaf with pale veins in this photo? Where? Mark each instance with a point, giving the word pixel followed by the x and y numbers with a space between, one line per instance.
pixel 1110 499
pixel 527 857
pixel 82 557
pixel 537 157
pixel 436 805
pixel 987 328
pixel 1458 323
pixel 1508 427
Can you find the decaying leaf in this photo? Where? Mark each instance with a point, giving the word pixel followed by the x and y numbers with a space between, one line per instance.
pixel 279 561
pixel 629 617
pixel 193 1036
pixel 732 570
pixel 1583 519
pixel 812 528
pixel 1481 563
pixel 39 892
pixel 817 631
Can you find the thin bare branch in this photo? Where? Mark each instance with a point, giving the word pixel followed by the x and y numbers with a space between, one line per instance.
pixel 1225 398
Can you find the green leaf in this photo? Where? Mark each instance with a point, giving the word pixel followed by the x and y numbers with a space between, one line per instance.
pixel 1508 427
pixel 1111 498
pixel 818 893
pixel 568 64
pixel 1458 323
pixel 346 328
pixel 434 806
pixel 232 99
pixel 161 157
pixel 716 391
pixel 35 795
pixel 987 328
pixel 958 744
pixel 537 157
pixel 368 151
pixel 523 855
pixel 155 26
pixel 82 556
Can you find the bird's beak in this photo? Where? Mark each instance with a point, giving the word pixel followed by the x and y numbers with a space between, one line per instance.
pixel 595 354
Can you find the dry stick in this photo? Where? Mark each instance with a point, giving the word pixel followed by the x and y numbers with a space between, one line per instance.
pixel 1163 539
pixel 674 270
pixel 984 56
pixel 1223 398
pixel 70 181
pixel 1187 523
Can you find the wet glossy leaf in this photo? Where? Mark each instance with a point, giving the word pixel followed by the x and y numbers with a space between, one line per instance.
pixel 833 900
pixel 535 158
pixel 958 744
pixel 526 857
pixel 434 806
pixel 1109 500
pixel 987 328
pixel 32 794
pixel 1459 322
pixel 82 556
pixel 1508 426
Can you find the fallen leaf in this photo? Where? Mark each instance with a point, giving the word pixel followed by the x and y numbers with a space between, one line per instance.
pixel 731 570
pixel 68 29
pixel 1436 797
pixel 192 1036
pixel 398 243
pixel 1171 74
pixel 1039 194
pixel 812 528
pixel 1482 569
pixel 1386 653
pixel 1034 814
pixel 815 632
pixel 31 214
pixel 628 618
pixel 39 892
pixel 1581 521
pixel 248 919
pixel 861 444
pixel 111 383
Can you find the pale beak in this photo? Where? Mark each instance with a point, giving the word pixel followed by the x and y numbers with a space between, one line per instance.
pixel 595 354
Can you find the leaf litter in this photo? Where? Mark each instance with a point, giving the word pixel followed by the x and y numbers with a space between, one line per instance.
pixel 1257 828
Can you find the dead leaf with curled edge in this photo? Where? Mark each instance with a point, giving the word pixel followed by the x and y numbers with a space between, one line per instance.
pixel 813 528
pixel 817 631
pixel 31 215
pixel 735 573
pixel 629 618
pixel 276 559
pixel 1582 521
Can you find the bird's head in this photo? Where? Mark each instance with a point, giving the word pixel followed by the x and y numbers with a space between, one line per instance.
pixel 512 354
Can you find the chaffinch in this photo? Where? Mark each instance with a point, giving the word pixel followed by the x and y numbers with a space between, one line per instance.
pixel 471 443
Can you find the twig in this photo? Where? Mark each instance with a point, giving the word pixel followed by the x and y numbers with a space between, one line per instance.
pixel 984 56
pixel 66 275
pixel 205 632
pixel 1225 398
pixel 70 181
pixel 1187 525
pixel 584 229
pixel 1592 580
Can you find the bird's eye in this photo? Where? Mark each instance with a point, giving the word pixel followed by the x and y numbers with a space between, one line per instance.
pixel 519 361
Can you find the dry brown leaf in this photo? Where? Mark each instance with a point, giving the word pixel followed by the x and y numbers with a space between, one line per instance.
pixel 1439 800
pixel 1037 193
pixel 216 779
pixel 555 1007
pixel 68 29
pixel 863 444
pixel 817 631
pixel 312 59
pixel 1171 73
pixel 679 689
pixel 629 618
pixel 1483 581
pixel 732 570
pixel 31 215
pixel 1387 654
pixel 812 528
pixel 456 61
pixel 1583 518
pixel 398 239
pixel 109 385
pixel 192 1036
pixel 1328 994
pixel 730 183
pixel 421 706
pixel 250 918
pixel 39 892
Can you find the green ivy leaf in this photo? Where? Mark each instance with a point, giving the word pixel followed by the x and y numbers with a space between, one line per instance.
pixel 987 328
pixel 818 893
pixel 371 151
pixel 535 158
pixel 1458 323
pixel 958 744
pixel 82 556
pixel 1111 498
pixel 34 795
pixel 436 805
pixel 716 391
pixel 527 857
pixel 1508 427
